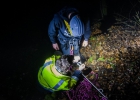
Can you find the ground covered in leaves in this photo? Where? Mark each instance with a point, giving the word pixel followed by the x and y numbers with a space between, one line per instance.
pixel 115 56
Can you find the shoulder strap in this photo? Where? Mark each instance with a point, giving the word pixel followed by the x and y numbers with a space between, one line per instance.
pixel 68 27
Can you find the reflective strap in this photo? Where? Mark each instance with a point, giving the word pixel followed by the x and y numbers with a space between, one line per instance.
pixel 47 63
pixel 75 78
pixel 68 27
pixel 58 84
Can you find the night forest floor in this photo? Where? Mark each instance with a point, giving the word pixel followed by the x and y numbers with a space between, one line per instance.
pixel 113 53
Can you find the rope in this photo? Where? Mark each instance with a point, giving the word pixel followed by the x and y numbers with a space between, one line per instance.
pixel 84 91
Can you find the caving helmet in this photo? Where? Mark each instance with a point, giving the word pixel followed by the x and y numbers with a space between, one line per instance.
pixel 63 64
pixel 77 26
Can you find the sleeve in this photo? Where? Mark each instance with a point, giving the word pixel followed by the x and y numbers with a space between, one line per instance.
pixel 87 31
pixel 74 79
pixel 76 75
pixel 52 30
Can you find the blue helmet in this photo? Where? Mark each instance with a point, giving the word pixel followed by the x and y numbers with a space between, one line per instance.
pixel 77 26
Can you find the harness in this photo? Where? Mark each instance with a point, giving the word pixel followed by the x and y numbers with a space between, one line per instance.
pixel 72 43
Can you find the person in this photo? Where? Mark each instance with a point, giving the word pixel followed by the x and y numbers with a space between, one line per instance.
pixel 67 30
pixel 59 74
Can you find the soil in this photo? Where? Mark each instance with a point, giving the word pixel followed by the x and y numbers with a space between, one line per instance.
pixel 115 57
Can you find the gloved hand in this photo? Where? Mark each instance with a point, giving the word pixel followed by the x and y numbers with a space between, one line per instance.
pixel 82 66
pixel 85 43
pixel 87 70
pixel 76 59
pixel 55 46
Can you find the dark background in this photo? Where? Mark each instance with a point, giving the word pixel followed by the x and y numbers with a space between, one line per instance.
pixel 24 43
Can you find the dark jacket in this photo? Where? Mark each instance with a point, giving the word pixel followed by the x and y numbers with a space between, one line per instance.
pixel 57 28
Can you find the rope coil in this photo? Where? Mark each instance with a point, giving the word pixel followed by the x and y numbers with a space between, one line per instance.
pixel 85 91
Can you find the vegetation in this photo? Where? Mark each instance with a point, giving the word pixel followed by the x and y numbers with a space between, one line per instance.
pixel 115 56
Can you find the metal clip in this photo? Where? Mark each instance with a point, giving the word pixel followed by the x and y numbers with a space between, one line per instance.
pixel 71 49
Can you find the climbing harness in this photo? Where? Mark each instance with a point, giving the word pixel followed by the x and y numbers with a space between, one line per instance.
pixel 73 44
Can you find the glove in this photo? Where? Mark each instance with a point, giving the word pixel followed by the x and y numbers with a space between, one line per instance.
pixel 76 59
pixel 82 66
pixel 77 73
pixel 87 70
pixel 85 43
